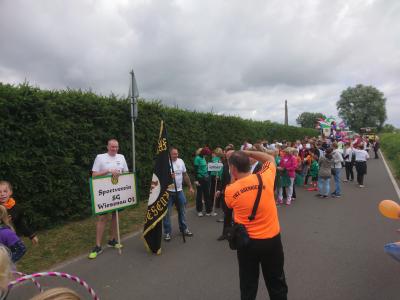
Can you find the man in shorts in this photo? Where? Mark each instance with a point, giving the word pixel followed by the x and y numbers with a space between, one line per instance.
pixel 110 163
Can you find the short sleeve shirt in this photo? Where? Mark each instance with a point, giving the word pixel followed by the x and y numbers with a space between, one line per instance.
pixel 179 169
pixel 241 195
pixel 105 161
pixel 201 166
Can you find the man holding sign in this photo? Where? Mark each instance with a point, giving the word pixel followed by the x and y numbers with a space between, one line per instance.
pixel 110 163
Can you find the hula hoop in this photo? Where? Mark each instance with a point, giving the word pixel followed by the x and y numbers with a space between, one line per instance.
pixel 33 280
pixel 55 274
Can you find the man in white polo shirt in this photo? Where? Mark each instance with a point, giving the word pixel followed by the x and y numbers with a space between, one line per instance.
pixel 110 163
pixel 177 196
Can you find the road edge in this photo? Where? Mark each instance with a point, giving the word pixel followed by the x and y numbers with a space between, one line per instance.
pixel 394 182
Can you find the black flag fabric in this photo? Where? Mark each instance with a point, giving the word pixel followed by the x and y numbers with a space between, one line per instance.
pixel 158 199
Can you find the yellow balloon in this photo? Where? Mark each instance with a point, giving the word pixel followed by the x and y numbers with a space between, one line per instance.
pixel 389 209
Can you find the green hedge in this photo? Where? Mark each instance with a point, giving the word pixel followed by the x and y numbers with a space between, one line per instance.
pixel 390 144
pixel 50 139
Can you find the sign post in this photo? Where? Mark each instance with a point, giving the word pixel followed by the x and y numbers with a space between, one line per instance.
pixel 214 167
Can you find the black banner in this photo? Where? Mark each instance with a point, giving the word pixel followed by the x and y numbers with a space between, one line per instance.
pixel 158 198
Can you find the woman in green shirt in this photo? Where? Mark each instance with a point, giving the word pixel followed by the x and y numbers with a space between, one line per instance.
pixel 202 183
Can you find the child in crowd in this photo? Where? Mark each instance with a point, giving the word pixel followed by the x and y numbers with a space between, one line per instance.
pixel 314 168
pixel 8 237
pixel 60 293
pixel 17 217
pixel 5 269
pixel 287 166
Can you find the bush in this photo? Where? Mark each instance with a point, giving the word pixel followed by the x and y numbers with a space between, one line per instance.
pixel 390 143
pixel 50 140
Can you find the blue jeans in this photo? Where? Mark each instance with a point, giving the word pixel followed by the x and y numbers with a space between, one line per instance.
pixel 181 212
pixel 337 181
pixel 324 184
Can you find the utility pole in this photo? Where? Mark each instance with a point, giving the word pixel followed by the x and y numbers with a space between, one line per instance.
pixel 286 114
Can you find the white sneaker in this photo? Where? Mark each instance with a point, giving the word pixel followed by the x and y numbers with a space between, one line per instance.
pixel 200 214
pixel 361 186
pixel 167 237
pixel 208 215
pixel 213 214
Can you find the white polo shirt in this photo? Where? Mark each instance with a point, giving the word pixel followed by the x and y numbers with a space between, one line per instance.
pixel 105 162
pixel 361 155
pixel 179 169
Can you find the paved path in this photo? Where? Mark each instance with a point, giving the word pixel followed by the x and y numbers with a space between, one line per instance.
pixel 333 250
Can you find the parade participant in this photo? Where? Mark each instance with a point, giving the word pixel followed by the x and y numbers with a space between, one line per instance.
pixel 246 145
pixel 314 169
pixel 109 163
pixel 348 155
pixel 265 246
pixel 287 164
pixel 324 173
pixel 202 183
pixel 361 164
pixel 225 181
pixel 215 178
pixel 177 196
pixel 8 237
pixel 336 169
pixel 376 147
pixel 17 217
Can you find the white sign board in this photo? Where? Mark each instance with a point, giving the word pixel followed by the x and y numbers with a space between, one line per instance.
pixel 109 194
pixel 214 167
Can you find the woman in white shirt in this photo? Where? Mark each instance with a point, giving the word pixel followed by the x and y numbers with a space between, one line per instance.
pixel 361 164
pixel 349 161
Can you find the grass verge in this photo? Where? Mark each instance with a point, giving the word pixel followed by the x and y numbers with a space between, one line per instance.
pixel 70 240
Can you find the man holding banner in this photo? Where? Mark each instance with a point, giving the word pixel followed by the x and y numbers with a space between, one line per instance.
pixel 177 196
pixel 110 163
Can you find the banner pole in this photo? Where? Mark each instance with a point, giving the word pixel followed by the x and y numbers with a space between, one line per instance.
pixel 215 193
pixel 118 235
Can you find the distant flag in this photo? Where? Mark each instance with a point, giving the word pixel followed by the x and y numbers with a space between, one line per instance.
pixel 158 199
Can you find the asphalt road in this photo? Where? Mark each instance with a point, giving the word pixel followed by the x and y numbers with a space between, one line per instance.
pixel 333 250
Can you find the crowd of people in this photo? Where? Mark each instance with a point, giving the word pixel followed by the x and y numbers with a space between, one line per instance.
pixel 280 165
pixel 310 164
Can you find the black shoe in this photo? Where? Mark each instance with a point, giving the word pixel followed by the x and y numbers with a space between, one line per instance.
pixel 221 238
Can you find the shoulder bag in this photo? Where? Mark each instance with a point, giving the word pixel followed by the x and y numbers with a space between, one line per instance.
pixel 237 235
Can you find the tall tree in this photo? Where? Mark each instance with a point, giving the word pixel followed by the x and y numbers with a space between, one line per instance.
pixel 308 119
pixel 362 106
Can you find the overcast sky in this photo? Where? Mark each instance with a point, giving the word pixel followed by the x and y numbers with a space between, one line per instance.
pixel 230 57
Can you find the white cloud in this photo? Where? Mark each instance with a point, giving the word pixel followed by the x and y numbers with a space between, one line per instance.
pixel 229 57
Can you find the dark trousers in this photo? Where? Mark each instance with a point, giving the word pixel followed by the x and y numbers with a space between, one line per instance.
pixel 376 153
pixel 361 167
pixel 269 254
pixel 214 183
pixel 349 170
pixel 203 191
pixel 227 217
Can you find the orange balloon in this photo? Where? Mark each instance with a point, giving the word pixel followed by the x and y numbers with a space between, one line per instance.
pixel 389 209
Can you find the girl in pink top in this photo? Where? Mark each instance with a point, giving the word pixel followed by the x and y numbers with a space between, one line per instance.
pixel 288 163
